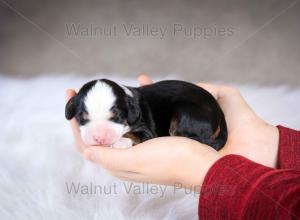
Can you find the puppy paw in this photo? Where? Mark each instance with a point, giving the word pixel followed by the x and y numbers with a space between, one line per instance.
pixel 123 143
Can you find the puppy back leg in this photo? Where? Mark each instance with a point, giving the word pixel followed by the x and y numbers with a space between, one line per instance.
pixel 199 123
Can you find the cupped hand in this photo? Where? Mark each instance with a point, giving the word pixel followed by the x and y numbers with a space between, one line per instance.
pixel 164 160
pixel 248 134
pixel 170 160
pixel 74 125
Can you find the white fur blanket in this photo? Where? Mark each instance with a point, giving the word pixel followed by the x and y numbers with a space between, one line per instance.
pixel 42 176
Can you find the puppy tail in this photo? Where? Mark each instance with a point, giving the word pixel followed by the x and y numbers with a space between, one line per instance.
pixel 220 140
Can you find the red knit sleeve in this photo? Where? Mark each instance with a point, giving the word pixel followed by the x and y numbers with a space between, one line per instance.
pixel 289 149
pixel 237 188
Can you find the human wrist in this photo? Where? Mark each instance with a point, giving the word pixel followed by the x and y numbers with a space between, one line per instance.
pixel 272 141
pixel 202 161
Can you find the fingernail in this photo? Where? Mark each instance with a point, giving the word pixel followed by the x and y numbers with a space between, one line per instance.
pixel 89 154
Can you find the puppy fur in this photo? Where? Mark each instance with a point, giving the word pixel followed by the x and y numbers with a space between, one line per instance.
pixel 115 115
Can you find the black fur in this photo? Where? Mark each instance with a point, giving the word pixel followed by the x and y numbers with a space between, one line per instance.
pixel 197 113
pixel 75 106
pixel 193 111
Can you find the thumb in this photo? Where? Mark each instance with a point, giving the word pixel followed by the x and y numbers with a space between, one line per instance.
pixel 144 79
pixel 69 94
pixel 112 159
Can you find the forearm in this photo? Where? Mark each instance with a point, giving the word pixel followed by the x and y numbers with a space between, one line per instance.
pixel 237 188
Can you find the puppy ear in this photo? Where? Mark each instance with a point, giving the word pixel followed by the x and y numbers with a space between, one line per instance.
pixel 134 111
pixel 70 109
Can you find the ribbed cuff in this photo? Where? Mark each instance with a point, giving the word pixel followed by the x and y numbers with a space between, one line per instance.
pixel 225 185
pixel 289 148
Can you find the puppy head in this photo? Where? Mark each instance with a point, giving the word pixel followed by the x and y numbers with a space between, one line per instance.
pixel 104 110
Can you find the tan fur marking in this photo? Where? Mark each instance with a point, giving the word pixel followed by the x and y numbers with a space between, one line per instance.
pixel 135 139
pixel 173 126
pixel 216 134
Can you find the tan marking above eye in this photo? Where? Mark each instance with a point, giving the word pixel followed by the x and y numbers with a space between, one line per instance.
pixel 85 115
pixel 111 114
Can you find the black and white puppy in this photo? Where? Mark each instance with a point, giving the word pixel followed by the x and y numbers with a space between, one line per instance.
pixel 114 115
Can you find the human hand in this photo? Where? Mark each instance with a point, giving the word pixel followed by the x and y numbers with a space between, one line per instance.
pixel 169 160
pixel 74 125
pixel 248 134
pixel 165 160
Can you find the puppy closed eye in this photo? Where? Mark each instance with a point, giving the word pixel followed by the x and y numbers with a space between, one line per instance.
pixel 118 119
pixel 118 116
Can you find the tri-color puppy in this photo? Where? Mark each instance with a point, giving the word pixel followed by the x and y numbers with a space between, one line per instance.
pixel 114 115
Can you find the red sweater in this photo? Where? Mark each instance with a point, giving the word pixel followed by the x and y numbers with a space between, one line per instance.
pixel 238 188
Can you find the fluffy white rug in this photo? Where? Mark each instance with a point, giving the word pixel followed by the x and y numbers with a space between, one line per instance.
pixel 39 165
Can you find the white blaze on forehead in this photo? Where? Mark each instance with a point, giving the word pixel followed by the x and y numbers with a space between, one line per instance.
pixel 99 101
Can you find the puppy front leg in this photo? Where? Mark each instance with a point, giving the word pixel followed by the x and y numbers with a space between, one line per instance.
pixel 123 143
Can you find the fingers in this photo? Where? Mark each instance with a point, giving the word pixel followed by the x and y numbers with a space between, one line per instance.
pixel 77 136
pixel 212 89
pixel 219 91
pixel 144 79
pixel 116 160
pixel 128 176
pixel 74 126
pixel 69 94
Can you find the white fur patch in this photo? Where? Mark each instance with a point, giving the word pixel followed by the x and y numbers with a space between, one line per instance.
pixel 99 101
pixel 123 143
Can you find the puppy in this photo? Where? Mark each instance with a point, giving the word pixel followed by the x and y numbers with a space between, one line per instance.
pixel 114 115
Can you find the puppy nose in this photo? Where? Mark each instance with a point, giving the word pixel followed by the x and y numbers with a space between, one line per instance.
pixel 98 140
pixel 103 136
